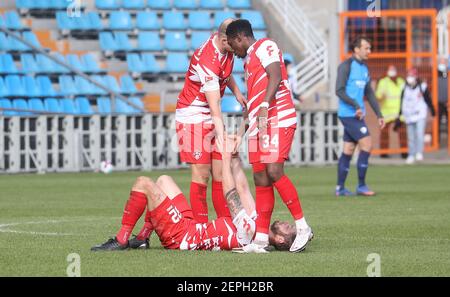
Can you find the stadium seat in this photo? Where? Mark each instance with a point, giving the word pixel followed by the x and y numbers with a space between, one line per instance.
pixel 16 44
pixel 67 85
pixel 96 89
pixel 84 86
pixel 185 4
pixel 31 87
pixel 24 4
pixel 147 20
pixel 238 66
pixel 289 57
pixel 90 64
pixel 149 41
pixel 198 38
pixel 21 104
pixel 220 16
pixel 64 22
pixel 45 85
pixel 104 105
pixel 95 23
pixel 260 34
pixel 200 20
pixel 229 104
pixel 122 107
pixel 107 42
pixel 255 18
pixel 107 4
pixel 7 64
pixel 12 20
pixel 159 4
pixel 60 68
pixel 134 63
pixel 59 4
pixel 111 83
pixel 120 20
pixel 36 104
pixel 52 105
pixel 31 38
pixel 46 64
pixel 174 20
pixel 29 64
pixel 83 106
pixel 133 4
pixel 2 21
pixel 4 42
pixel 14 85
pixel 177 62
pixel 75 62
pixel 4 92
pixel 6 103
pixel 127 85
pixel 82 23
pixel 69 106
pixel 176 41
pixel 211 4
pixel 239 4
pixel 123 42
pixel 149 63
pixel 136 101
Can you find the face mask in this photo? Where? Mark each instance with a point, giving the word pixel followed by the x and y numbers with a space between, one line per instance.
pixel 411 80
pixel 442 68
pixel 392 73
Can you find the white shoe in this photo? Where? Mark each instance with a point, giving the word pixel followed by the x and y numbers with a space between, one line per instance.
pixel 410 160
pixel 419 157
pixel 251 248
pixel 301 240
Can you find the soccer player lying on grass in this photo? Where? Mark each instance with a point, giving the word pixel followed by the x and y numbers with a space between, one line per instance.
pixel 173 220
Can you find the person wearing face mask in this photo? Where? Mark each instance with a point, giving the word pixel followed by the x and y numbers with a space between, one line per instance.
pixel 442 94
pixel 388 93
pixel 415 102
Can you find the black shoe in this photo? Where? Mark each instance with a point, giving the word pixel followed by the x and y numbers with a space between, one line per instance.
pixel 111 245
pixel 135 243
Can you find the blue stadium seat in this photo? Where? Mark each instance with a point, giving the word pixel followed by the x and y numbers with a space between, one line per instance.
pixel 133 4
pixel 83 86
pixel 123 107
pixel 31 38
pixel 63 21
pixel 31 87
pixel 75 62
pixel 111 83
pixel 239 4
pixel 174 20
pixel 83 106
pixel 25 4
pixel 21 104
pixel 12 20
pixel 69 106
pixel 288 56
pixel 96 89
pixel 67 85
pixel 107 42
pixel 198 38
pixel 82 23
pixel 147 20
pixel 220 16
pixel 238 66
pixel 149 63
pixel 200 20
pixel 255 18
pixel 14 85
pixel 7 64
pixel 52 105
pixel 127 85
pixel 149 41
pixel 59 4
pixel 46 64
pixel 36 104
pixel 45 86
pixel 90 64
pixel 6 103
pixel 229 104
pixel 16 44
pixel 104 105
pixel 177 62
pixel 176 41
pixel 107 4
pixel 260 34
pixel 60 68
pixel 4 92
pixel 2 21
pixel 211 4
pixel 136 101
pixel 4 42
pixel 159 4
pixel 120 20
pixel 95 23
pixel 185 4
pixel 134 63
pixel 123 42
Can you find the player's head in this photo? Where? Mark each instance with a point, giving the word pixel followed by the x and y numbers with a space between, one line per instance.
pixel 222 33
pixel 361 48
pixel 240 36
pixel 282 235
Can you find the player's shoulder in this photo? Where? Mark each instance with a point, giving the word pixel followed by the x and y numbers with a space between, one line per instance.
pixel 265 42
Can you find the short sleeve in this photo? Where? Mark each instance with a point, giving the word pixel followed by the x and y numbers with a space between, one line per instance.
pixel 268 53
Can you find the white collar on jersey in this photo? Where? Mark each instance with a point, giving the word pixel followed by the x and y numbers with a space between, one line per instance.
pixel 250 49
pixel 215 46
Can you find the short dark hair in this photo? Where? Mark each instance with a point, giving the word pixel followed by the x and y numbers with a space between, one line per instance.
pixel 358 42
pixel 288 238
pixel 239 26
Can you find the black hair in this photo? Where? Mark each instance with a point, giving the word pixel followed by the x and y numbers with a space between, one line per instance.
pixel 358 42
pixel 239 26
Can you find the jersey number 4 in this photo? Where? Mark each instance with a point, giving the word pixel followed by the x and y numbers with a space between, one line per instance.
pixel 174 213
pixel 266 141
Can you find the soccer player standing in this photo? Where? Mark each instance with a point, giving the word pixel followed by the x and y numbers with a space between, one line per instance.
pixel 353 83
pixel 272 125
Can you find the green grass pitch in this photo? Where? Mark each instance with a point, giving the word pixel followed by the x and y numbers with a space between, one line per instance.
pixel 43 218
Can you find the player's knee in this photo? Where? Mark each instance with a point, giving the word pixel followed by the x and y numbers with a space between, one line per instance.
pixel 275 173
pixel 142 182
pixel 162 180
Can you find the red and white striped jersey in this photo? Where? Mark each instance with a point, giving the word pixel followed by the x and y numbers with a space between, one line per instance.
pixel 209 70
pixel 281 113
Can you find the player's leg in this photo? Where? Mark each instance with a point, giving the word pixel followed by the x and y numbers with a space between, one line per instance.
pixel 199 185
pixel 365 146
pixel 344 168
pixel 218 199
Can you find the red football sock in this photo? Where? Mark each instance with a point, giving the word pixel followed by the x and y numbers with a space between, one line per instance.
pixel 147 229
pixel 265 201
pixel 219 202
pixel 134 208
pixel 289 195
pixel 198 202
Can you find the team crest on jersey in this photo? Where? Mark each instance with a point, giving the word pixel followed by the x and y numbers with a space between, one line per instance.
pixel 197 155
pixel 363 130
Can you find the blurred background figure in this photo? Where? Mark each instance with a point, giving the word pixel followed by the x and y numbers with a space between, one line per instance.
pixel 414 108
pixel 293 83
pixel 443 96
pixel 388 93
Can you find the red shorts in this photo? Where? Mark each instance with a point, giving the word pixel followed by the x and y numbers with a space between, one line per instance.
pixel 196 143
pixel 176 228
pixel 271 148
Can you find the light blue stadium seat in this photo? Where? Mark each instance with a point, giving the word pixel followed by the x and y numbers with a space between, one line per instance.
pixel 69 106
pixel 220 16
pixel 52 105
pixel 14 85
pixel 67 85
pixel 4 92
pixel 21 104
pixel 255 18
pixel 120 20
pixel 45 86
pixel 96 89
pixel 134 63
pixel 260 34
pixel 82 23
pixel 90 64
pixel 36 104
pixel 2 21
pixel 138 102
pixel 198 38
pixel 107 41
pixel 104 105
pixel 149 63
pixel 127 85
pixel 123 107
pixel 31 38
pixel 177 62
pixel 25 4
pixel 123 42
pixel 4 42
pixel 59 4
pixel 200 20
pixel 185 4
pixel 111 83
pixel 83 86
pixel 107 4
pixel 7 64
pixel 12 20
pixel 147 20
pixel 46 64
pixel 176 41
pixel 16 44
pixel 83 106
pixel 289 57
pixel 31 87
pixel 174 20
pixel 159 4
pixel 238 66
pixel 75 62
pixel 229 104
pixel 149 41
pixel 60 68
pixel 95 23
pixel 133 4
pixel 6 103
pixel 239 4
pixel 212 4
pixel 63 21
